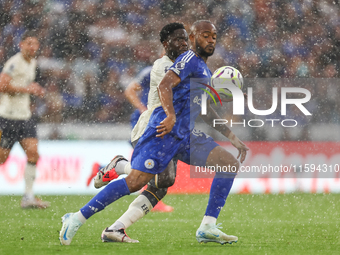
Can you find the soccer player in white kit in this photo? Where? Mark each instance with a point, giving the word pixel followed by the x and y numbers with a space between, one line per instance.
pixel 16 125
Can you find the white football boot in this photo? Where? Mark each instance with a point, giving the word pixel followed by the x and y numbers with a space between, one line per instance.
pixel 211 233
pixel 120 236
pixel 71 224
pixel 108 173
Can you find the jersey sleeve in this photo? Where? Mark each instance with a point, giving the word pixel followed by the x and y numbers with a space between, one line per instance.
pixel 9 68
pixel 185 65
pixel 143 78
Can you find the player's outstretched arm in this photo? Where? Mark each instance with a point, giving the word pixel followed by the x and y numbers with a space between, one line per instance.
pixel 131 93
pixel 169 81
pixel 225 130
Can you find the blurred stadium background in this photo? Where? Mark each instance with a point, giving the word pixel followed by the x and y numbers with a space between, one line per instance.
pixel 91 50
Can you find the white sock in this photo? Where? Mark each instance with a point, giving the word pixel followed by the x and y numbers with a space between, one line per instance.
pixel 208 220
pixel 117 225
pixel 137 209
pixel 80 216
pixel 120 166
pixel 127 168
pixel 29 177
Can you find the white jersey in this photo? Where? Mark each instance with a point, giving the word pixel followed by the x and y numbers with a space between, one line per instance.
pixel 17 107
pixel 159 68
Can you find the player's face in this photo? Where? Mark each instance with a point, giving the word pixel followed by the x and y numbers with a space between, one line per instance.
pixel 177 43
pixel 29 47
pixel 205 39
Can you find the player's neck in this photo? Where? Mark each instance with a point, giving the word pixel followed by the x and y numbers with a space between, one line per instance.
pixel 205 58
pixel 26 57
pixel 172 58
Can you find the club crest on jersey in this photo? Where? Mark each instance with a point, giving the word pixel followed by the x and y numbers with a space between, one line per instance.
pixel 149 163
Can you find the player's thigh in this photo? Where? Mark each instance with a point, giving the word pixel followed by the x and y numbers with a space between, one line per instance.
pixel 29 141
pixel 30 146
pixel 199 149
pixel 221 157
pixel 4 153
pixel 137 179
pixel 153 154
pixel 9 134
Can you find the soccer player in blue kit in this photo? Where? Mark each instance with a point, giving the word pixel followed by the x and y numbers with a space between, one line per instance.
pixel 137 94
pixel 169 134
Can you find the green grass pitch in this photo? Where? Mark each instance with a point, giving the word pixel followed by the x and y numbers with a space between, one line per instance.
pixel 265 224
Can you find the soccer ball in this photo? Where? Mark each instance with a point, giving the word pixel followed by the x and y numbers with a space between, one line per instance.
pixel 226 75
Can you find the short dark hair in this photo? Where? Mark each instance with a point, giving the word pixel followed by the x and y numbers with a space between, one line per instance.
pixel 29 33
pixel 169 29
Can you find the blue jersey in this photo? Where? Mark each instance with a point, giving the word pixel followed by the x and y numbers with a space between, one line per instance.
pixel 193 72
pixel 143 79
pixel 152 154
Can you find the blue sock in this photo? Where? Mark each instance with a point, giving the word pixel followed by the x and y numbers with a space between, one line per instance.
pixel 219 191
pixel 112 192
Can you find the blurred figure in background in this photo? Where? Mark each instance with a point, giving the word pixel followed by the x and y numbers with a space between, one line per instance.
pixel 16 125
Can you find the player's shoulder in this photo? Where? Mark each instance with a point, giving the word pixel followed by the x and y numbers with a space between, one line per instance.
pixel 162 64
pixel 188 56
pixel 162 61
pixel 15 58
pixel 186 61
pixel 12 64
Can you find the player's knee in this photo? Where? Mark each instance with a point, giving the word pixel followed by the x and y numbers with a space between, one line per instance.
pixel 32 156
pixel 165 181
pixel 3 157
pixel 167 177
pixel 237 164
pixel 233 165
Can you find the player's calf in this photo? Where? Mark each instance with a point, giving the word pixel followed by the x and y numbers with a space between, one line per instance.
pixel 222 161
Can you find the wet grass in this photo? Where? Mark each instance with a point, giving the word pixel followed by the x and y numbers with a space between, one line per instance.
pixel 265 224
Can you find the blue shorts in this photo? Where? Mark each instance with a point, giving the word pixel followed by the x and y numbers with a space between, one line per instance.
pixel 153 154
